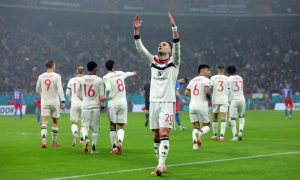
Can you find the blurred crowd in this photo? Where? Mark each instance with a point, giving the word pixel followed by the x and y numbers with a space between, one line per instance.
pixel 265 49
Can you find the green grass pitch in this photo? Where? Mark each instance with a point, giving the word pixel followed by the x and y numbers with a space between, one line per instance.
pixel 270 150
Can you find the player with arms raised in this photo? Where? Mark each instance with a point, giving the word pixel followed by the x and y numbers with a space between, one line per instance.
pixel 237 101
pixel 219 101
pixel 199 91
pixel 49 87
pixel 91 90
pixel 164 72
pixel 117 104
pixel 75 112
pixel 288 100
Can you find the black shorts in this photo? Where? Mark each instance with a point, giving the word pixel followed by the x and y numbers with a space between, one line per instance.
pixel 147 103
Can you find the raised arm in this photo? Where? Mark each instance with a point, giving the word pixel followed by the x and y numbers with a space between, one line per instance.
pixel 176 44
pixel 137 23
pixel 128 74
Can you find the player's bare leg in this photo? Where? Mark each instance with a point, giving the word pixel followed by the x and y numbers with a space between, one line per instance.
pixel 54 132
pixel 120 137
pixel 74 129
pixel 215 127
pixel 44 131
pixel 223 126
pixel 113 138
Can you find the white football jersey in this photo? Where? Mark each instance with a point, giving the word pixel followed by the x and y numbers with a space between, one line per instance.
pixel 220 89
pixel 72 90
pixel 115 85
pixel 198 97
pixel 163 73
pixel 50 89
pixel 236 87
pixel 90 89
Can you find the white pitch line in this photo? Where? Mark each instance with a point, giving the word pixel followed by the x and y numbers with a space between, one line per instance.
pixel 176 165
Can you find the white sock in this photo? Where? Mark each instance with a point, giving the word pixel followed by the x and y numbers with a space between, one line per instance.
pixel 223 128
pixel 94 138
pixel 241 125
pixel 194 132
pixel 85 133
pixel 120 135
pixel 204 130
pixel 54 134
pixel 233 127
pixel 215 128
pixel 74 129
pixel 113 137
pixel 156 150
pixel 163 151
pixel 44 131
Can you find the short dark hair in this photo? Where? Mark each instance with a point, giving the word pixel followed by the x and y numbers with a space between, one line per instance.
pixel 203 66
pixel 186 80
pixel 231 70
pixel 49 63
pixel 109 65
pixel 221 67
pixel 91 66
pixel 169 44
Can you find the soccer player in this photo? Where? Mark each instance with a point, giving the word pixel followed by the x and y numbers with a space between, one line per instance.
pixel 164 72
pixel 115 92
pixel 219 101
pixel 199 91
pixel 75 112
pixel 49 87
pixel 237 102
pixel 179 83
pixel 146 93
pixel 288 100
pixel 18 101
pixel 37 103
pixel 91 90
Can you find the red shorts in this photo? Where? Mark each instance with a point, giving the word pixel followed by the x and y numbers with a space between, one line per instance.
pixel 18 106
pixel 289 103
pixel 177 106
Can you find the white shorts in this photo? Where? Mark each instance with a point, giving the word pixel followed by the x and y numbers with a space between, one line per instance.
pixel 118 114
pixel 50 110
pixel 216 108
pixel 90 119
pixel 75 114
pixel 199 115
pixel 161 115
pixel 237 108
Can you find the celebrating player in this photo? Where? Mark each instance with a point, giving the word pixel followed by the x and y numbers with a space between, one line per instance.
pixel 75 112
pixel 50 89
pixel 18 101
pixel 219 101
pixel 164 72
pixel 179 83
pixel 237 101
pixel 115 92
pixel 199 91
pixel 91 90
pixel 288 100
